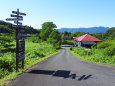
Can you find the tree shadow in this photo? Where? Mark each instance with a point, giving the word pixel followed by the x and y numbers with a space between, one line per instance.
pixel 61 73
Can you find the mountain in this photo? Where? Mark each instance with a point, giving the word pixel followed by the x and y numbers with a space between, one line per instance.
pixel 87 30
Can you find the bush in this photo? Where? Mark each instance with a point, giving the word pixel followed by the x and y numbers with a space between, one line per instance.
pixel 110 51
pixel 80 51
pixel 7 61
pixel 103 45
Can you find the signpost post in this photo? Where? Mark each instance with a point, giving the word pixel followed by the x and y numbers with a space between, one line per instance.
pixel 20 36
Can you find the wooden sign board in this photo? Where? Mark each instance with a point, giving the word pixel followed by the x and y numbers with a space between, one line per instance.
pixel 15 12
pixel 16 16
pixel 19 26
pixel 16 22
pixel 21 56
pixel 21 36
pixel 21 46
pixel 14 19
pixel 22 31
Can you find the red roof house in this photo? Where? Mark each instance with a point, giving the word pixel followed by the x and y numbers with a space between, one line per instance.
pixel 86 37
pixel 86 40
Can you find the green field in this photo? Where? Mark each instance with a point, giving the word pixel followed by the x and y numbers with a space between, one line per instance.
pixel 34 53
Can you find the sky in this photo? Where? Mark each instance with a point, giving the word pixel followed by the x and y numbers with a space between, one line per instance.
pixel 63 13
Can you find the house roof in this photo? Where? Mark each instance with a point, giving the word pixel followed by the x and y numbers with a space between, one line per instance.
pixel 86 37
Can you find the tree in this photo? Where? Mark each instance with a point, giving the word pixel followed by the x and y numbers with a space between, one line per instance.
pixel 110 34
pixel 46 30
pixel 77 34
pixel 98 35
pixel 55 38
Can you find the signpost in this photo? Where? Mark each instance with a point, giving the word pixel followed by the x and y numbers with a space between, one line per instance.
pixel 16 16
pixel 20 36
pixel 14 19
pixel 19 23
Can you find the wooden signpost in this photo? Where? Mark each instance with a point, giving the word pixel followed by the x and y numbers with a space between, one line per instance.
pixel 20 36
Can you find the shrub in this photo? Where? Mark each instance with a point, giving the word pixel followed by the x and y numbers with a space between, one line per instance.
pixel 7 61
pixel 103 45
pixel 110 51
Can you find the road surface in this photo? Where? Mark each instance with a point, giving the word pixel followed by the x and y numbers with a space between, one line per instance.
pixel 64 69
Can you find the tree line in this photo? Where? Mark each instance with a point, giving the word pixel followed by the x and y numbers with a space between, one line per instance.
pixel 48 33
pixel 108 35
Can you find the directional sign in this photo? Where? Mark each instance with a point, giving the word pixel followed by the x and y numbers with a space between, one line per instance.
pixel 15 12
pixel 21 56
pixel 14 19
pixel 16 16
pixel 22 14
pixel 21 36
pixel 22 31
pixel 21 49
pixel 16 22
pixel 21 46
pixel 22 42
pixel 19 26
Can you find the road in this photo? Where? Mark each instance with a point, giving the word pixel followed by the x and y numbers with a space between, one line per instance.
pixel 64 69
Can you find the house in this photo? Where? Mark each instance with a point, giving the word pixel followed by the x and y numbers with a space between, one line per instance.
pixel 85 40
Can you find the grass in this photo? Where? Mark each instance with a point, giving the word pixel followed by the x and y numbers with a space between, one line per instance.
pixel 93 55
pixel 34 53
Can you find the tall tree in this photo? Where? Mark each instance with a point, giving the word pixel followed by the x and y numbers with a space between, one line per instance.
pixel 55 38
pixel 110 34
pixel 46 30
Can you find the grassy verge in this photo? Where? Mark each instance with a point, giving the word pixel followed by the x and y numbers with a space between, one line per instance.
pixel 34 53
pixel 91 56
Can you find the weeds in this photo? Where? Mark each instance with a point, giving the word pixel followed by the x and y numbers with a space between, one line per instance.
pixel 104 53
pixel 33 53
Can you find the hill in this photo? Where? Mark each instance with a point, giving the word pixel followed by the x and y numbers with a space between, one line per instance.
pixel 87 30
pixel 6 27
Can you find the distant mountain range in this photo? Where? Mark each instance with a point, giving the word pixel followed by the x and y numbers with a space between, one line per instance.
pixel 87 30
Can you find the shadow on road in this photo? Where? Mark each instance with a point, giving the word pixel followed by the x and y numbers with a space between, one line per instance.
pixel 61 73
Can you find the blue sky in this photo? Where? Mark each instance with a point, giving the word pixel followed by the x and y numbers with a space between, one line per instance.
pixel 64 13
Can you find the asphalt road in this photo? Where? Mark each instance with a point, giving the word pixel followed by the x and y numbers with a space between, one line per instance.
pixel 64 69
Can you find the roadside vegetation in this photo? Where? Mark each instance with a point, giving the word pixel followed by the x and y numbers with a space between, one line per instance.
pixel 37 48
pixel 34 53
pixel 103 52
